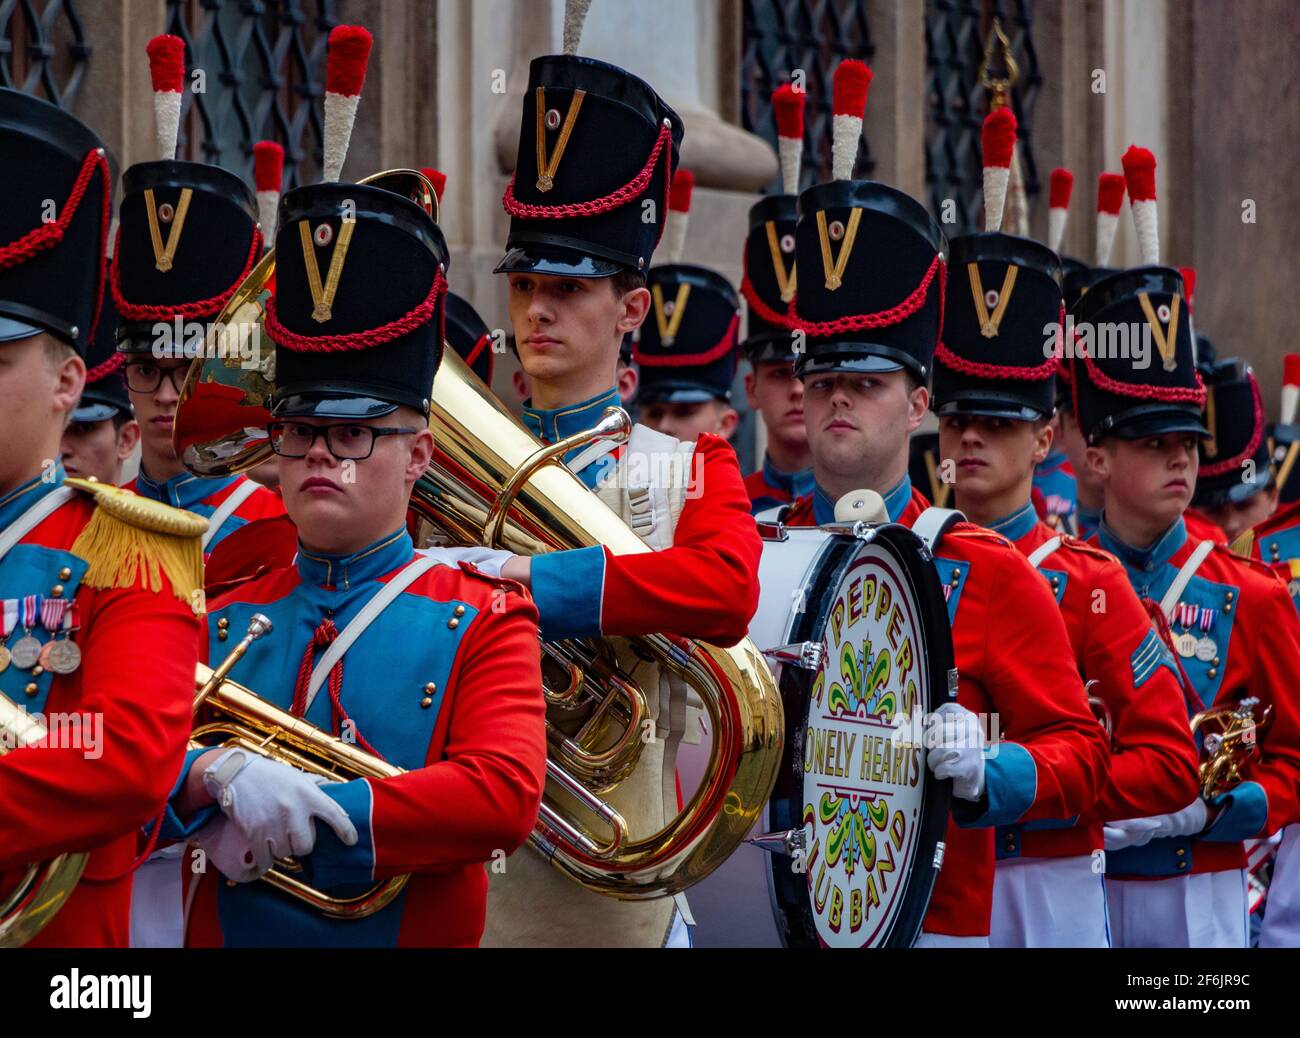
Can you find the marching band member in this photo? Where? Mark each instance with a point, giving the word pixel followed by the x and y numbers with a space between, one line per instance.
pixel 102 432
pixel 768 286
pixel 871 280
pixel 187 236
pixel 579 247
pixel 1176 879
pixel 87 577
pixel 460 707
pixel 687 347
pixel 993 393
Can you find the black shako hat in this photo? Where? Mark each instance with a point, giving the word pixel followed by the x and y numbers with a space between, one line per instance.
pixel 769 280
pixel 468 334
pixel 998 356
pixel 1234 416
pixel 105 392
pixel 871 276
pixel 358 344
pixel 688 346
pixel 1112 394
pixel 595 144
pixel 51 261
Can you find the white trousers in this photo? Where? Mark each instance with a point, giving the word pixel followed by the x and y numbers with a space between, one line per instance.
pixel 942 940
pixel 157 914
pixel 1281 927
pixel 1049 903
pixel 1207 910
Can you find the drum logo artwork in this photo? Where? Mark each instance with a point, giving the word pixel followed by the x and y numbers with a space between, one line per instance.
pixel 863 777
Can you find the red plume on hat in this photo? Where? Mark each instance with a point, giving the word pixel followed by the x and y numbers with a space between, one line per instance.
pixel 345 73
pixel 787 106
pixel 167 71
pixel 1290 387
pixel 679 210
pixel 999 140
pixel 852 79
pixel 1140 175
pixel 268 177
pixel 1110 199
pixel 1061 186
pixel 437 178
pixel 1189 286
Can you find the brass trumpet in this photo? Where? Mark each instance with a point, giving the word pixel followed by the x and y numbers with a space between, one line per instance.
pixel 45 886
pixel 241 719
pixel 1230 740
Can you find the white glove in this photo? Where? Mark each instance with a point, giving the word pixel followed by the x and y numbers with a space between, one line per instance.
pixel 231 852
pixel 274 805
pixel 1136 832
pixel 958 751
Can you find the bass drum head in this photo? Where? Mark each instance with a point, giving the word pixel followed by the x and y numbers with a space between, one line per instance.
pixel 854 777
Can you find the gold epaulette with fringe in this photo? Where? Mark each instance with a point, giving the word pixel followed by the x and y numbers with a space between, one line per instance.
pixel 129 534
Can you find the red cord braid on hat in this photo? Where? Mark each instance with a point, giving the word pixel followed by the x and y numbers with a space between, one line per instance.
pixel 106 368
pixel 681 360
pixel 1170 394
pixel 198 308
pixel 48 235
pixel 978 369
pixel 881 318
pixel 1218 468
pixel 408 322
pixel 756 304
pixel 613 200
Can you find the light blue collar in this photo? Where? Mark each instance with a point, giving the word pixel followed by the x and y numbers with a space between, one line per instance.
pixel 896 502
pixel 344 571
pixel 1053 461
pixel 22 498
pixel 1144 559
pixel 795 484
pixel 1017 524
pixel 183 491
pixel 552 425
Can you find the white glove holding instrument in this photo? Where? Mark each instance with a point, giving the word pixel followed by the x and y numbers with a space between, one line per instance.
pixel 274 805
pixel 1137 832
pixel 231 852
pixel 958 751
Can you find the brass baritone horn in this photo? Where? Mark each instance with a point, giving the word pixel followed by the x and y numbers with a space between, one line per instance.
pixel 45 886
pixel 491 482
pixel 1230 740
pixel 241 719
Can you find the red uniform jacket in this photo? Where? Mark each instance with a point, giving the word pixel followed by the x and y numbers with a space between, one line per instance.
pixel 1014 661
pixel 139 648
pixel 1202 528
pixel 1153 758
pixel 1257 640
pixel 205 496
pixel 1276 542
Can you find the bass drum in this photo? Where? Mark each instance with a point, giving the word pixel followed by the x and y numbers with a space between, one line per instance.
pixel 856 628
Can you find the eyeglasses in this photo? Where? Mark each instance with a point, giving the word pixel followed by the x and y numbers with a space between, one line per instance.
pixel 146 378
pixel 347 442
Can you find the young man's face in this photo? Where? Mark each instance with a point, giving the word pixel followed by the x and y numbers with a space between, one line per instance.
pixel 686 421
pixel 38 388
pixel 98 449
pixel 777 395
pixel 566 325
pixel 1151 479
pixel 991 457
pixel 1238 517
pixel 858 424
pixel 340 506
pixel 155 410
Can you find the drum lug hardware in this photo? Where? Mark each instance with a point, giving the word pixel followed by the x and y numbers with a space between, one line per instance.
pixel 953 679
pixel 773 531
pixel 939 848
pixel 807 655
pixel 786 843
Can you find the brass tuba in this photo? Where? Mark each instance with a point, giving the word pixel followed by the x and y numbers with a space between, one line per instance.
pixel 45 886
pixel 491 482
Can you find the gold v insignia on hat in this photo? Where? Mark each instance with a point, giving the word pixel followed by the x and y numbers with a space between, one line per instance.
pixel 1210 447
pixel 939 488
pixel 323 297
pixel 1167 337
pixel 669 325
pixel 990 323
pixel 834 268
pixel 546 167
pixel 785 281
pixel 164 255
